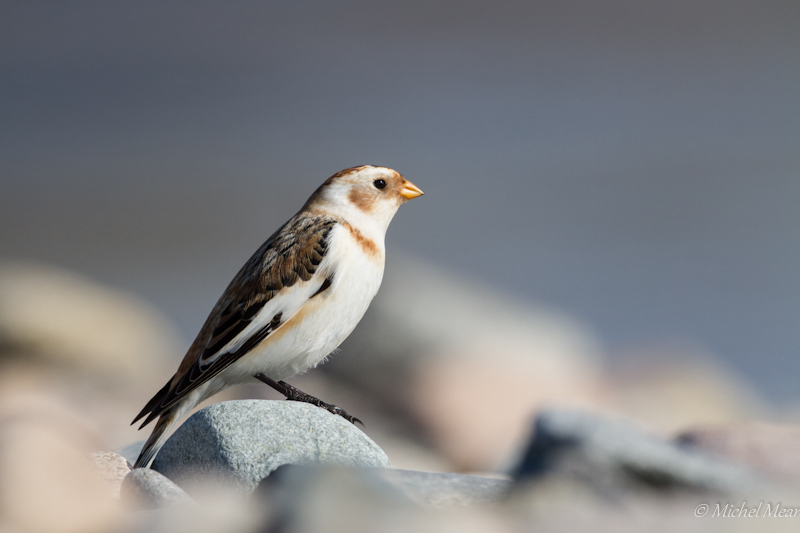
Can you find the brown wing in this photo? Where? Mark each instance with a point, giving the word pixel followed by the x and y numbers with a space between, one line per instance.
pixel 292 253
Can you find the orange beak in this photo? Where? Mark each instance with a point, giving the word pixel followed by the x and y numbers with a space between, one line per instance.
pixel 410 190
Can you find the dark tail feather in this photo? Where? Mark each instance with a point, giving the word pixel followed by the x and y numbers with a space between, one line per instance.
pixel 156 439
pixel 154 401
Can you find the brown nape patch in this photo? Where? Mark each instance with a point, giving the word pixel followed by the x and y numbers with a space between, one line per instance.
pixel 367 245
pixel 362 199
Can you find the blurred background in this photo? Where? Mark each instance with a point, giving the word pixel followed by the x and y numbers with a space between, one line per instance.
pixel 610 217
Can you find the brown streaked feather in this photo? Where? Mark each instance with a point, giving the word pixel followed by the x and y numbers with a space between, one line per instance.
pixel 292 253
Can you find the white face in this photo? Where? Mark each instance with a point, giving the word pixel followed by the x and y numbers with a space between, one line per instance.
pixel 366 193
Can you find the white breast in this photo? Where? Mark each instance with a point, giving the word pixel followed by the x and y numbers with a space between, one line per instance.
pixel 325 321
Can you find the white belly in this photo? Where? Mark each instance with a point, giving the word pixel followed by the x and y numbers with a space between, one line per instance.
pixel 321 325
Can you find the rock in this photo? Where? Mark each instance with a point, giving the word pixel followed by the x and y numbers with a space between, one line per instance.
pixel 436 489
pixel 305 498
pixel 97 349
pixel 111 468
pixel 216 512
pixel 92 327
pixel 614 456
pixel 428 489
pixel 672 387
pixel 769 449
pixel 239 443
pixel 477 411
pixel 362 499
pixel 144 488
pixel 46 483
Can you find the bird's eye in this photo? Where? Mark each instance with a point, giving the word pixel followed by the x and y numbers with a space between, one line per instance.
pixel 379 184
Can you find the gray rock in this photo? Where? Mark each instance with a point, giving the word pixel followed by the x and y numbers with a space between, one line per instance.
pixel 772 450
pixel 323 498
pixel 147 489
pixel 428 489
pixel 613 456
pixel 238 443
pixel 137 341
pixel 434 489
pixel 331 498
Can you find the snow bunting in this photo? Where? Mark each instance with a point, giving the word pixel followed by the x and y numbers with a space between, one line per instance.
pixel 297 298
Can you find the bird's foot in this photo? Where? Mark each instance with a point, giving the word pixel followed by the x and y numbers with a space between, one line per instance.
pixel 294 394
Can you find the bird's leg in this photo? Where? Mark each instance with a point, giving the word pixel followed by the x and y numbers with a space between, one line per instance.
pixel 295 394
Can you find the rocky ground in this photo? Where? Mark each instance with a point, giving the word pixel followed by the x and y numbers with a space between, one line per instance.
pixel 482 414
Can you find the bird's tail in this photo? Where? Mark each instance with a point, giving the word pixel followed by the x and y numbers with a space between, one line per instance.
pixel 157 439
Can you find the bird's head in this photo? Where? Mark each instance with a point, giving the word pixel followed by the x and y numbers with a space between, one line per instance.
pixel 365 192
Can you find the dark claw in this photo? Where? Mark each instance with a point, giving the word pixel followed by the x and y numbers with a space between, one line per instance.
pixel 341 412
pixel 296 395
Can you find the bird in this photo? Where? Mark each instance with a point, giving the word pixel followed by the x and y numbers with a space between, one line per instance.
pixel 292 303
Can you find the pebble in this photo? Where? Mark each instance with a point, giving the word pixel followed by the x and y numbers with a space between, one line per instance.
pixel 239 443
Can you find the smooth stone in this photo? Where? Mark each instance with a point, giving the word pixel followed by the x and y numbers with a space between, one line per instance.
pixel 326 498
pixel 236 444
pixel 147 489
pixel 612 456
pixel 428 489
pixel 772 450
pixel 436 489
